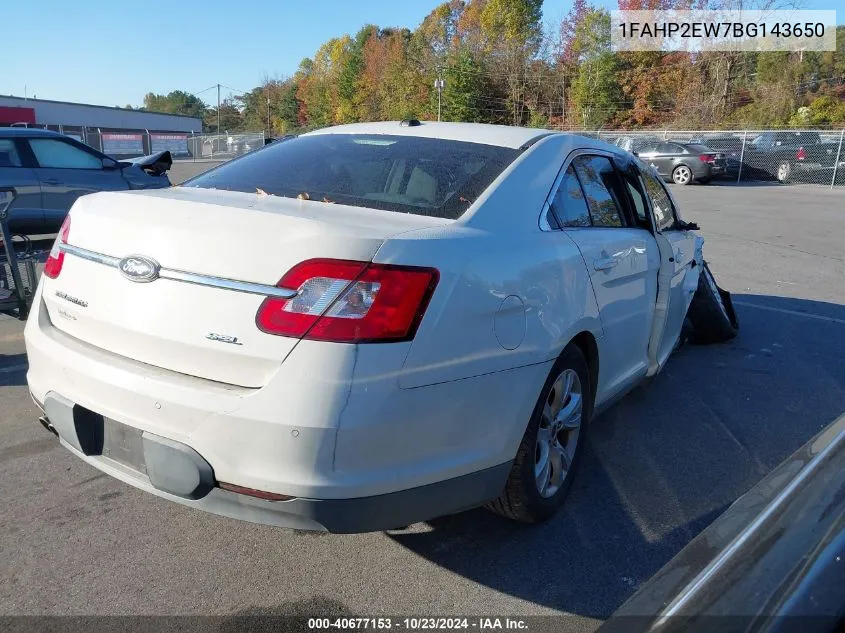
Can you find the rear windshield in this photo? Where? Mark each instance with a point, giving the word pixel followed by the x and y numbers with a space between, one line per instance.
pixel 698 148
pixel 406 174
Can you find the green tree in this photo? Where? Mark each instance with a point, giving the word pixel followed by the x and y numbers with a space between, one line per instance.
pixel 231 118
pixel 351 67
pixel 513 32
pixel 464 89
pixel 175 102
pixel 595 91
pixel 287 109
pixel 827 110
pixel 517 22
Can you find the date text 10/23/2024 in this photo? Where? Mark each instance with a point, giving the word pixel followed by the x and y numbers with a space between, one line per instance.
pixel 482 623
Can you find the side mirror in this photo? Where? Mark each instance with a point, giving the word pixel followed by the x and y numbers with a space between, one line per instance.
pixel 110 163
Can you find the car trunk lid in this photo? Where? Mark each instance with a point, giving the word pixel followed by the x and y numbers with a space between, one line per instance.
pixel 201 322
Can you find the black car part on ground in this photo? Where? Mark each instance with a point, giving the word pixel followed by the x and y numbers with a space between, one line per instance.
pixel 17 275
pixel 711 312
pixel 155 164
pixel 773 562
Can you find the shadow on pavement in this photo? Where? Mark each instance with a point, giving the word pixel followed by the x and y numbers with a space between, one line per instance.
pixel 662 464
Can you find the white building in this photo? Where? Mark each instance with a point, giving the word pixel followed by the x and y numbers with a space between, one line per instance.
pixel 112 130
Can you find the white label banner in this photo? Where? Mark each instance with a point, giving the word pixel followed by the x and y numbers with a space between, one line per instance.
pixel 723 30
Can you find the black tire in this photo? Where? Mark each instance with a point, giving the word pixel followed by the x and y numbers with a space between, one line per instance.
pixel 711 312
pixel 521 500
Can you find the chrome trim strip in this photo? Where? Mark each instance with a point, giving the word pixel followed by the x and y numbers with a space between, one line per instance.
pixel 186 277
pixel 91 256
pixel 226 284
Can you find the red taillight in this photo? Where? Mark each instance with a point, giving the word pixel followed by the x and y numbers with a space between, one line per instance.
pixel 252 492
pixel 53 265
pixel 707 158
pixel 349 302
pixel 800 154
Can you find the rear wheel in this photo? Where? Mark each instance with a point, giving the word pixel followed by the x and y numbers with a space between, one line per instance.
pixel 551 448
pixel 784 171
pixel 682 175
pixel 711 312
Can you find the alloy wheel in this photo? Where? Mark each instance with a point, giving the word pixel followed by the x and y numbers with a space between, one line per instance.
pixel 557 437
pixel 682 175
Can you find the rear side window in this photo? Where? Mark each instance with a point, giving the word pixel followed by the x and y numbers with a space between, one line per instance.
pixel 635 190
pixel 50 152
pixel 9 153
pixel 669 148
pixel 698 148
pixel 600 182
pixel 762 141
pixel 423 176
pixel 569 204
pixel 664 213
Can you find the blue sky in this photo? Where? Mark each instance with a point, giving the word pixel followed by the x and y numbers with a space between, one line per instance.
pixel 112 52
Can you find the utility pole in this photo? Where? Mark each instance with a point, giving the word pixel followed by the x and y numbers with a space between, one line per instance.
pixel 269 131
pixel 218 109
pixel 439 83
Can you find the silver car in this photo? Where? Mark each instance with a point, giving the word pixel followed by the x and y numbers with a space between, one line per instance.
pixel 49 171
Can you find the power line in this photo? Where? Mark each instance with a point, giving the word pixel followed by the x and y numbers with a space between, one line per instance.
pixel 235 90
pixel 196 94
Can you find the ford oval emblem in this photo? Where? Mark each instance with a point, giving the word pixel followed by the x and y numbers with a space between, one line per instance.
pixel 139 268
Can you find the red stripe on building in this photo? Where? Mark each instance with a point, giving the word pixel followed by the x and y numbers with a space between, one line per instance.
pixel 9 115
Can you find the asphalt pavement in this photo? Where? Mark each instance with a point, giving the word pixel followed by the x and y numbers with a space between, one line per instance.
pixel 658 468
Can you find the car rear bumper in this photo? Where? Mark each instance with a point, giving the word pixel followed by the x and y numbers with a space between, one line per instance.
pixel 307 434
pixel 702 171
pixel 176 472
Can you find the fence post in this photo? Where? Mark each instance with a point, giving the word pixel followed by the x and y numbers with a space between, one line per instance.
pixel 741 156
pixel 838 154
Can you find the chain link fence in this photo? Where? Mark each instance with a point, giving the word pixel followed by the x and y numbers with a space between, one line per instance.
pixel 128 143
pixel 223 146
pixel 787 156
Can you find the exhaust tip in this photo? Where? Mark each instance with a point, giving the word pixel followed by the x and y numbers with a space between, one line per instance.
pixel 46 424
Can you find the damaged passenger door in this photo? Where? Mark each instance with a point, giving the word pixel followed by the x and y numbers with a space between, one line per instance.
pixel 680 262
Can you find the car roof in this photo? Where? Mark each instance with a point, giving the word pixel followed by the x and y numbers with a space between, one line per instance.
pixel 486 134
pixel 16 132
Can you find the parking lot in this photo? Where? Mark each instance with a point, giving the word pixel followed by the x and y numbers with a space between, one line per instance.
pixel 659 467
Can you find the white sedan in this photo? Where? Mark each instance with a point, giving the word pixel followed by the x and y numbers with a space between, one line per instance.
pixel 368 325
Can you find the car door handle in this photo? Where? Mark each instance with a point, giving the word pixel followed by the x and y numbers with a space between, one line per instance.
pixel 605 263
pixel 51 181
